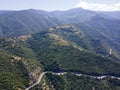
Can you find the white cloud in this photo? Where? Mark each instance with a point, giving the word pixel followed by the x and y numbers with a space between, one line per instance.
pixel 99 7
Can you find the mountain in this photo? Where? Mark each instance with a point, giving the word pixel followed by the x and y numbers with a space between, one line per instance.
pixel 55 51
pixel 75 49
pixel 17 23
pixel 51 51
pixel 77 15
pixel 92 36
pixel 104 31
pixel 74 15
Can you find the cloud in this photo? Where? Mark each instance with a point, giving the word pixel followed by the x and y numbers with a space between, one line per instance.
pixel 98 7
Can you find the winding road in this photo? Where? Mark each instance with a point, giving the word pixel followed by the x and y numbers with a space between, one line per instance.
pixel 63 73
pixel 36 83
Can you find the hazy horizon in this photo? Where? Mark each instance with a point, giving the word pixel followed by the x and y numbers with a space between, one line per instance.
pixel 52 5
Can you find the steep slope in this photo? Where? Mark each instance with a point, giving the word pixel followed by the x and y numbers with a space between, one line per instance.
pixel 94 36
pixel 19 65
pixel 73 82
pixel 13 75
pixel 105 32
pixel 16 23
pixel 66 57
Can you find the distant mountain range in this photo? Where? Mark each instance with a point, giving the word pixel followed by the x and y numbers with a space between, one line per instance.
pixel 17 23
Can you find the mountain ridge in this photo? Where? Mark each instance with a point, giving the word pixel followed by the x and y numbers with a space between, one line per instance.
pixel 17 23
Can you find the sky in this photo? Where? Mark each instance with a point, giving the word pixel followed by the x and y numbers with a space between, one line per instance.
pixel 52 5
